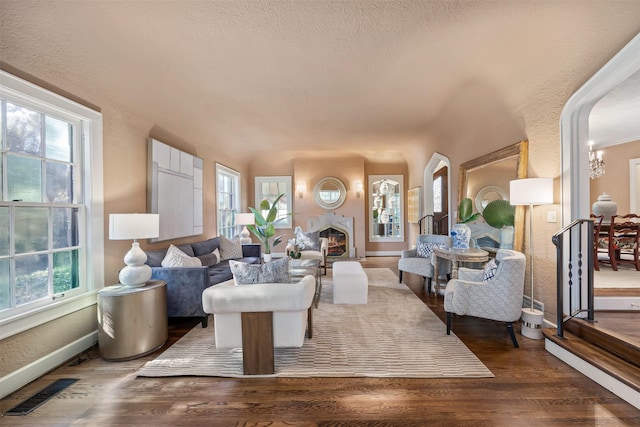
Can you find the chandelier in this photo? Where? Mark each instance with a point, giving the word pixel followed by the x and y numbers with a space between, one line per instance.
pixel 596 164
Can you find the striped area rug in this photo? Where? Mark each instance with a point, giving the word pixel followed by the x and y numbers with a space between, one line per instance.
pixel 394 335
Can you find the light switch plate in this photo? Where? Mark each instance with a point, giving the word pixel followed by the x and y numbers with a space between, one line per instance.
pixel 551 216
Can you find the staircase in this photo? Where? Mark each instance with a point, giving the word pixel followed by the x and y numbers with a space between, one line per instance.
pixel 607 358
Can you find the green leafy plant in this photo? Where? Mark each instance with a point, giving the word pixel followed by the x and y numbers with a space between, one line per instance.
pixel 264 229
pixel 499 213
pixel 465 211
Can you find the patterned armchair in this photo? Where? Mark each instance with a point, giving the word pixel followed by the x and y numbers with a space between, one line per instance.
pixel 418 260
pixel 494 293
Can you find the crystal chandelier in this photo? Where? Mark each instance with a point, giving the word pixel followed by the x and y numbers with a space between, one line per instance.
pixel 596 164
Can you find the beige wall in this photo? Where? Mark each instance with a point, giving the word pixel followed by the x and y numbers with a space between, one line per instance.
pixel 308 171
pixel 615 181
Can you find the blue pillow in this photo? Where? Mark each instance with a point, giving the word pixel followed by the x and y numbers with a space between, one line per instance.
pixel 424 249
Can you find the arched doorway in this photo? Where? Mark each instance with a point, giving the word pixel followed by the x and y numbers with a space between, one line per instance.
pixel 437 162
pixel 574 131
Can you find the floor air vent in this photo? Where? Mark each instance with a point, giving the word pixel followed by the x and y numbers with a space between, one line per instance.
pixel 40 397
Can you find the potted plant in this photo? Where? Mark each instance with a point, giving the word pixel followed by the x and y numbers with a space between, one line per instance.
pixel 501 215
pixel 460 232
pixel 264 229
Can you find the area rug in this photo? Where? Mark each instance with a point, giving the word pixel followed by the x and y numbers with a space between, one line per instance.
pixel 394 335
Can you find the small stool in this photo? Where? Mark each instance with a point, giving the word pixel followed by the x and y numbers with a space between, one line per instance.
pixel 350 283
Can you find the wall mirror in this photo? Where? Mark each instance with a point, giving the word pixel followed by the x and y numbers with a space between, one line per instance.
pixel 330 193
pixel 486 178
pixel 386 219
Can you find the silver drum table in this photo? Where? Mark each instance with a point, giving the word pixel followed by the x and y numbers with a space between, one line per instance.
pixel 132 321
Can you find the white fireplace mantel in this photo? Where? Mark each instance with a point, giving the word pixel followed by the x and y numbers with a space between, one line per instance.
pixel 344 223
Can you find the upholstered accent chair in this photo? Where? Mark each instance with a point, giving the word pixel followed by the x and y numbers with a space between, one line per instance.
pixel 419 260
pixel 305 241
pixel 494 293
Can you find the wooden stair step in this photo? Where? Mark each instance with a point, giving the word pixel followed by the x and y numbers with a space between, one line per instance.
pixel 618 368
pixel 621 346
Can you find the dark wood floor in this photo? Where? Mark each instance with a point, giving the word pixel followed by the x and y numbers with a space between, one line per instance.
pixel 531 387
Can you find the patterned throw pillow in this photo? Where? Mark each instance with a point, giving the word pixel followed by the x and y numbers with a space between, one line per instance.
pixel 309 241
pixel 176 258
pixel 211 258
pixel 424 249
pixel 489 271
pixel 230 249
pixel 270 272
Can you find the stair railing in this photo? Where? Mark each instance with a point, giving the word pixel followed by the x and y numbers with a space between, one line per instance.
pixel 429 225
pixel 575 235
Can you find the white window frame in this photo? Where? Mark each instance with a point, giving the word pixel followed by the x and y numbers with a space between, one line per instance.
pixel 222 170
pixel 280 182
pixel 91 231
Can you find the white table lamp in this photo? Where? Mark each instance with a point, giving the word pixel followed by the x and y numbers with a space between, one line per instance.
pixel 245 219
pixel 134 226
pixel 531 191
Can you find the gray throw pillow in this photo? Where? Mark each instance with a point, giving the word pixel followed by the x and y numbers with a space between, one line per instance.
pixel 230 249
pixel 270 272
pixel 308 241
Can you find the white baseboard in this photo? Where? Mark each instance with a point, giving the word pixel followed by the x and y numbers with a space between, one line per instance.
pixel 615 386
pixel 23 376
pixel 382 253
pixel 617 303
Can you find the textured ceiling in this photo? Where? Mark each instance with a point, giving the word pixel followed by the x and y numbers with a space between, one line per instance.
pixel 368 77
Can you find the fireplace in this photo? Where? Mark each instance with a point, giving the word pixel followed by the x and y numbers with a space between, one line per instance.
pixel 339 230
pixel 338 242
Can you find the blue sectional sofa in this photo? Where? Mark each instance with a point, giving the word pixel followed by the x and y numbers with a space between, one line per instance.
pixel 186 284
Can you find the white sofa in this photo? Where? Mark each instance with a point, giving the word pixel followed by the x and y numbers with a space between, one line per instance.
pixel 289 303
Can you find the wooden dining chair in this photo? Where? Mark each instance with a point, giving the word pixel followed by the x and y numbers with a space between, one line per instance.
pixel 624 240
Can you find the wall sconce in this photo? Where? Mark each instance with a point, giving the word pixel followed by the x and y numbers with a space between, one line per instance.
pixel 358 186
pixel 300 188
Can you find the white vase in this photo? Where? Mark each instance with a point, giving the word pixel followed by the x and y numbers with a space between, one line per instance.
pixel 506 237
pixel 605 206
pixel 460 236
pixel 266 257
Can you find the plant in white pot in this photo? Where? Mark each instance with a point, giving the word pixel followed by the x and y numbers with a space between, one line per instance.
pixel 500 214
pixel 264 229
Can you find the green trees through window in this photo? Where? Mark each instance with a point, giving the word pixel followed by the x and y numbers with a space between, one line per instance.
pixel 39 210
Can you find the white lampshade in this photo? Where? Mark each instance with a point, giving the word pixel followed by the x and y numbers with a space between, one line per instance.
pixel 245 219
pixel 531 191
pixel 134 226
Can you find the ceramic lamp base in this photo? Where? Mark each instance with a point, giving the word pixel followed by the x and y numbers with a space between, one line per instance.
pixel 532 323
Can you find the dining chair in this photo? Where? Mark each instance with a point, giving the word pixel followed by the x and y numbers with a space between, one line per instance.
pixel 623 240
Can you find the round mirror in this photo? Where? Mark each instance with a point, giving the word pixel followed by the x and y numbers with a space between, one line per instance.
pixel 330 193
pixel 489 194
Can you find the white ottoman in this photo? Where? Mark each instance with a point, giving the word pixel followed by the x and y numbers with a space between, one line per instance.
pixel 350 283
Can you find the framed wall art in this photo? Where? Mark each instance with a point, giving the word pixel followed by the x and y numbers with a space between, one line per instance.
pixel 414 207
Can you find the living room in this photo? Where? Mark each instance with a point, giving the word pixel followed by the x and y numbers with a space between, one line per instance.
pixel 308 90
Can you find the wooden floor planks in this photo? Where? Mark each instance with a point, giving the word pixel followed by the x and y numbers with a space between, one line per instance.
pixel 531 387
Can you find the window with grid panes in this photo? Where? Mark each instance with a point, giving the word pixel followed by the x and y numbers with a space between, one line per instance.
pixel 43 198
pixel 228 199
